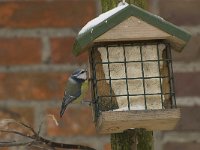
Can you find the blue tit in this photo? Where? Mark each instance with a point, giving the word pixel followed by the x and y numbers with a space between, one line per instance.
pixel 73 88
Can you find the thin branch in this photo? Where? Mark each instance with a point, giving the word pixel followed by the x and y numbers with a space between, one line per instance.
pixel 62 145
pixel 28 127
pixel 17 133
pixel 11 144
pixel 42 147
pixel 36 140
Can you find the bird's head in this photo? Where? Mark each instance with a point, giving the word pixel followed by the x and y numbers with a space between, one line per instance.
pixel 79 75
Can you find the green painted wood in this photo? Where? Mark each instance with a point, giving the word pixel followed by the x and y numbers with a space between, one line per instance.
pixel 85 39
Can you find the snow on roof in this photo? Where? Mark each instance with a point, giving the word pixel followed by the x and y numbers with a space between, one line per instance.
pixel 102 17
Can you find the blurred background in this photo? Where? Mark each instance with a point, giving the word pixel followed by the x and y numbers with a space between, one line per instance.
pixel 36 40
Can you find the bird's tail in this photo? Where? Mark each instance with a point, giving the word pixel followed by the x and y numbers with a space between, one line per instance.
pixel 63 108
pixel 66 100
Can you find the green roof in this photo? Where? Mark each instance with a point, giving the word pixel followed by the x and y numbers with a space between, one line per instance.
pixel 86 39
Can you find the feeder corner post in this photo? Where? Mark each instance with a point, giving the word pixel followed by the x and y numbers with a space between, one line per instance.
pixel 133 139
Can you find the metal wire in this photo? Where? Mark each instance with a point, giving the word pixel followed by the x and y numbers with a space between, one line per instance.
pixel 110 83
pixel 137 94
pixel 168 61
pixel 143 82
pixel 161 96
pixel 114 62
pixel 171 74
pixel 94 85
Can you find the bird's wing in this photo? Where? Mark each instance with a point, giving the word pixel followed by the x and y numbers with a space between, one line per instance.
pixel 72 92
pixel 66 100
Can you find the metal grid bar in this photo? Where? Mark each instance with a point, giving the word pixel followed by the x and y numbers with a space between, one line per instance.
pixel 136 61
pixel 168 60
pixel 143 82
pixel 126 74
pixel 150 94
pixel 110 82
pixel 133 78
pixel 161 96
pixel 96 99
pixel 171 74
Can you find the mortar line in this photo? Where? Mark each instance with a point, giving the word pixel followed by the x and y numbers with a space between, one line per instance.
pixel 181 137
pixel 188 101
pixel 174 136
pixel 186 67
pixel 155 7
pixel 178 67
pixel 40 68
pixel 46 50
pixel 38 32
pixel 194 30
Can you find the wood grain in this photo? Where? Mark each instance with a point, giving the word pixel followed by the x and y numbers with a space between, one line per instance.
pixel 116 122
pixel 132 29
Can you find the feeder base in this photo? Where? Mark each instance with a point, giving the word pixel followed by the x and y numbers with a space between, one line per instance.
pixel 118 121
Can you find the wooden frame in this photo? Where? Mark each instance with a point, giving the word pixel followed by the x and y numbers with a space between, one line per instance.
pixel 116 122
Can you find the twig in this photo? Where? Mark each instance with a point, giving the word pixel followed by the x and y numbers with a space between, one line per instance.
pixel 17 133
pixel 28 127
pixel 62 145
pixel 11 144
pixel 42 147
pixel 36 140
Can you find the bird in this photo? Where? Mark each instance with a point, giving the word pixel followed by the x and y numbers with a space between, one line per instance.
pixel 73 88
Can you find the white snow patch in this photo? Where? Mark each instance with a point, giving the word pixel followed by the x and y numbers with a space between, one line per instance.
pixel 122 3
pixel 102 17
pixel 159 17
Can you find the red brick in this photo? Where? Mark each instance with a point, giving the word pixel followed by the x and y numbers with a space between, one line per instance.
pixel 182 146
pixel 59 13
pixel 107 146
pixel 187 84
pixel 25 114
pixel 62 52
pixel 36 86
pixel 190 119
pixel 184 12
pixel 151 6
pixel 191 52
pixel 76 121
pixel 5 148
pixel 20 51
pixel 22 114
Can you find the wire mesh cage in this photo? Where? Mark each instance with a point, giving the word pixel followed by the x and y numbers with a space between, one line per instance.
pixel 132 76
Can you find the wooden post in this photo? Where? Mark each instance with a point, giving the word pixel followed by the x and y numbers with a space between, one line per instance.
pixel 132 139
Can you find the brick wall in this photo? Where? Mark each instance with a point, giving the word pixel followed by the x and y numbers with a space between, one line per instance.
pixel 184 13
pixel 36 38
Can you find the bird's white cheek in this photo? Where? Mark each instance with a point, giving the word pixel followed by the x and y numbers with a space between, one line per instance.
pixel 83 76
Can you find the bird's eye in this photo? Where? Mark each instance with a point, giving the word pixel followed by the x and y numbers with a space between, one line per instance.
pixel 82 71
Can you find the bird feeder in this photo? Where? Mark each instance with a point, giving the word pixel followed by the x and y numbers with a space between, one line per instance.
pixel 131 72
